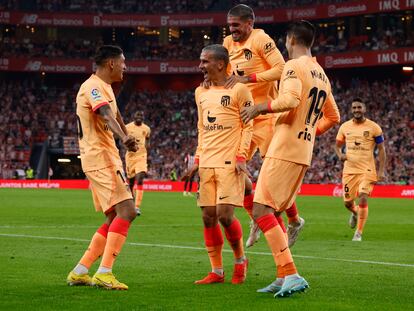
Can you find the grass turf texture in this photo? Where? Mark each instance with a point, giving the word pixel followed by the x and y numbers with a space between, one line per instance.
pixel 34 269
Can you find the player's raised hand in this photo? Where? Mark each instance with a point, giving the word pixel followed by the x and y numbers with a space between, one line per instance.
pixel 130 143
pixel 242 168
pixel 233 79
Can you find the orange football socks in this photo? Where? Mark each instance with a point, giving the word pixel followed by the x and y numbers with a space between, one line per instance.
pixel 138 195
pixel 96 247
pixel 277 242
pixel 117 234
pixel 362 216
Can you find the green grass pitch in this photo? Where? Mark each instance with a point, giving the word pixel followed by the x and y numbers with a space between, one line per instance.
pixel 43 234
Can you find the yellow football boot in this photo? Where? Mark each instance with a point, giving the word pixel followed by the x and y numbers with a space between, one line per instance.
pixel 74 279
pixel 108 281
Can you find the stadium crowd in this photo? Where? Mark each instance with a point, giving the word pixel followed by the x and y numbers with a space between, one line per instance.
pixel 148 6
pixel 31 114
pixel 144 48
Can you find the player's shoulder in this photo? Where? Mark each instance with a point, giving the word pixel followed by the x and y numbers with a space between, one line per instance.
pixel 373 124
pixel 130 124
pixel 199 90
pixel 260 34
pixel 240 87
pixel 146 126
pixel 227 41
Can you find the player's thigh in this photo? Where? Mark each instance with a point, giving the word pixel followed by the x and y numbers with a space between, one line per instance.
pixel 350 185
pixel 109 187
pixel 207 187
pixel 278 184
pixel 230 186
pixel 366 184
pixel 263 131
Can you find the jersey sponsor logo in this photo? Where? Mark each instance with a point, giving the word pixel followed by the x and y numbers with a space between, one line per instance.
pixel 366 133
pixel 210 119
pixel 96 95
pixel 248 54
pixel 305 135
pixel 269 47
pixel 290 74
pixel 225 101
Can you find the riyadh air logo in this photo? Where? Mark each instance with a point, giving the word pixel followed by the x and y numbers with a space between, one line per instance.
pixel 33 65
pixel 210 119
pixel 305 135
pixel 225 101
pixel 248 54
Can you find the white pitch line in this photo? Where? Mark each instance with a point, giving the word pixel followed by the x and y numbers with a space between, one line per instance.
pixel 85 226
pixel 203 249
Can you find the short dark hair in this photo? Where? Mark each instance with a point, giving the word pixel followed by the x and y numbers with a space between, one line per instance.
pixel 105 52
pixel 219 52
pixel 303 31
pixel 358 99
pixel 243 11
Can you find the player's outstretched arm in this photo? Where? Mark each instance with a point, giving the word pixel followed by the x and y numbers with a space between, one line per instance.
pixel 121 122
pixel 382 160
pixel 338 150
pixel 129 141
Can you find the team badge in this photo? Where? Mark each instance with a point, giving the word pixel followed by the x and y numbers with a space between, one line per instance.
pixel 248 54
pixel 366 134
pixel 225 100
pixel 247 104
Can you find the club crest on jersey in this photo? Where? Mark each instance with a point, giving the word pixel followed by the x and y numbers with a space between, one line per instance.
pixel 96 95
pixel 247 104
pixel 269 47
pixel 225 100
pixel 248 54
pixel 366 134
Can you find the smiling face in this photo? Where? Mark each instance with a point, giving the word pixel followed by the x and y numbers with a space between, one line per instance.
pixel 358 110
pixel 139 117
pixel 210 66
pixel 240 29
pixel 117 66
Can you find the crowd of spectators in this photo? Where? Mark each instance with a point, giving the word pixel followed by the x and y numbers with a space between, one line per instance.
pixel 30 114
pixel 149 6
pixel 145 48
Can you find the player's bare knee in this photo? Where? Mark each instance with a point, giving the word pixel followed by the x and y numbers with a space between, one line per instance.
pixel 126 210
pixel 209 220
pixel 225 219
pixel 363 199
